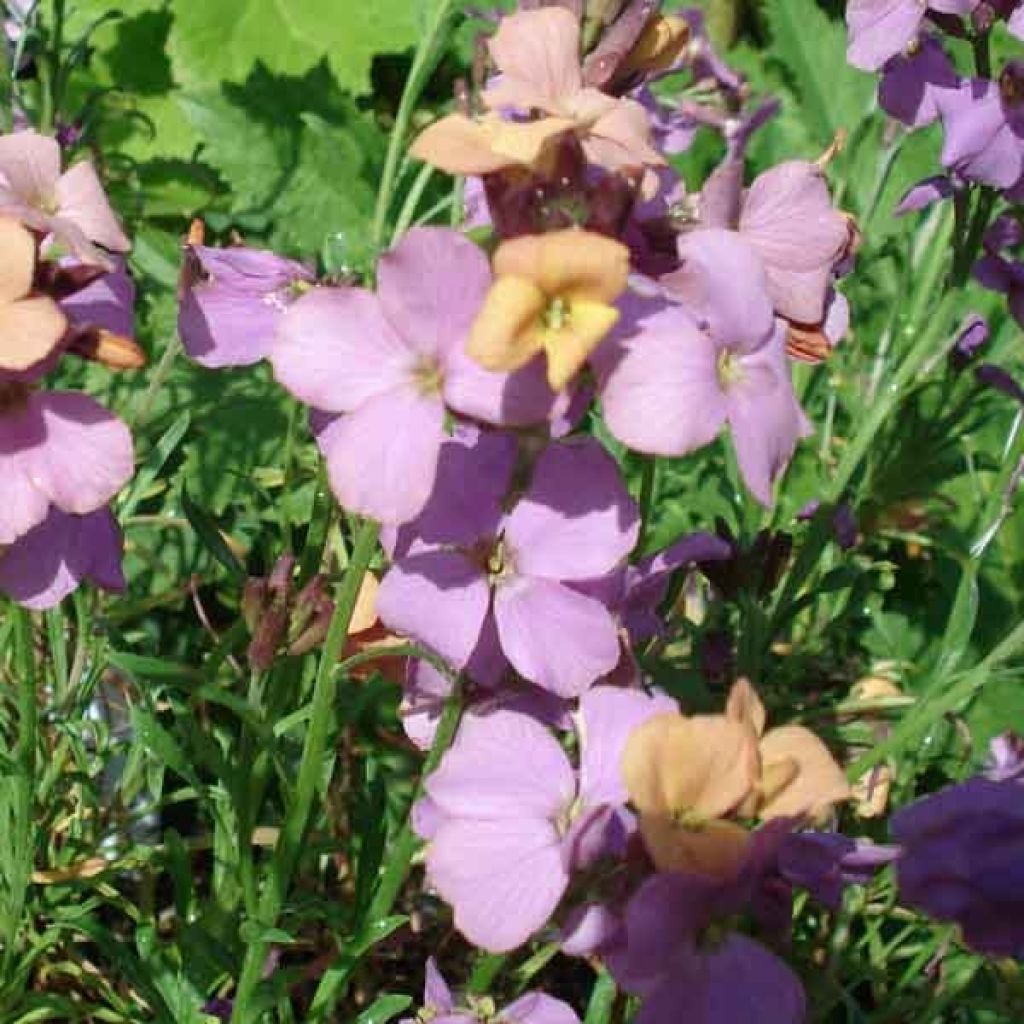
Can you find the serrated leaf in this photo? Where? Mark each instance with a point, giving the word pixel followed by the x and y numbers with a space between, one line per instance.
pixel 223 40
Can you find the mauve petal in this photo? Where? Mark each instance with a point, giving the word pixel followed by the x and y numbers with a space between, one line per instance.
pixel 538 1008
pixel 109 303
pixel 85 456
pixel 437 995
pixel 431 287
pixel 554 636
pixel 589 929
pixel 30 165
pixel 24 505
pixel 924 194
pixel 52 560
pixel 503 765
pixel 765 418
pixel 503 878
pixel 659 386
pixel 82 201
pixel 788 218
pixel 474 473
pixel 539 50
pixel 606 717
pixel 880 29
pixel 1015 23
pixel 438 598
pixel 335 350
pixel 382 458
pixel 723 284
pixel 977 140
pixel 576 519
pixel 426 691
pixel 519 399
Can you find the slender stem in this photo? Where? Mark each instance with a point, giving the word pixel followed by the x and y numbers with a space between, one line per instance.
pixel 422 66
pixel 648 487
pixel 23 845
pixel 332 986
pixel 289 845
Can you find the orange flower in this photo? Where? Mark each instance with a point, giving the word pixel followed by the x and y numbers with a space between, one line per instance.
pixel 797 774
pixel 553 293
pixel 684 775
pixel 31 326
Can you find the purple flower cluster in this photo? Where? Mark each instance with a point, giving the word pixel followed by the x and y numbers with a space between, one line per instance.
pixel 63 457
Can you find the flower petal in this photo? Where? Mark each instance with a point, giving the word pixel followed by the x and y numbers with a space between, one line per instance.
pixel 431 286
pixel 554 636
pixel 82 201
pixel 382 458
pixel 438 598
pixel 577 519
pixel 335 350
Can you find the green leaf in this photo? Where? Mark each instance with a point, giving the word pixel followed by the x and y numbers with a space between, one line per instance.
pixel 222 40
pixel 811 50
pixel 384 1009
pixel 209 534
pixel 295 151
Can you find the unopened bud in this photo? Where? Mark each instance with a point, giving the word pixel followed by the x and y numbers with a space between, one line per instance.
pixel 115 351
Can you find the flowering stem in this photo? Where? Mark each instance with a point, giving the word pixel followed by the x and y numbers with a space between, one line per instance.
pixel 289 845
pixel 423 63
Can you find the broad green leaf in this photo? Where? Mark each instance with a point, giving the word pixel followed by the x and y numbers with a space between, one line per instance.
pixel 223 40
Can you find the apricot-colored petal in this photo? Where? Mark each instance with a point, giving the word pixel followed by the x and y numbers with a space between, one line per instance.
pixel 819 781
pixel 717 848
pixel 458 145
pixel 364 615
pixel 571 264
pixel 523 142
pixel 662 41
pixel 29 331
pixel 17 260
pixel 705 765
pixel 870 792
pixel 627 125
pixel 503 337
pixel 744 706
pixel 569 348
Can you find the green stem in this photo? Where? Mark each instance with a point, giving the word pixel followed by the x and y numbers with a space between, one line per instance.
pixel 332 986
pixel 23 844
pixel 423 63
pixel 648 487
pixel 289 845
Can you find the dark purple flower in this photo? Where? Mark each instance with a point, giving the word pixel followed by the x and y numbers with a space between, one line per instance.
pixel 963 861
pixel 911 83
pixel 925 193
pixel 824 863
pixel 971 339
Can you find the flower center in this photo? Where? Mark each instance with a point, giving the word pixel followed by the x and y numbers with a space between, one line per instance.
pixel 729 370
pixel 428 376
pixel 500 565
pixel 689 820
pixel 1011 84
pixel 558 315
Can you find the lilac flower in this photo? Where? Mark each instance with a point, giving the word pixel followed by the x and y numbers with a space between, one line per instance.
pixel 390 363
pixel 994 271
pixel 880 29
pixel 983 123
pixel 57 449
pixel 465 561
pixel 54 558
pixel 670 382
pixel 71 207
pixel 669 957
pixel 925 193
pixel 963 861
pixel 440 1006
pixel 508 818
pixel 912 82
pixel 234 301
pixel 972 337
